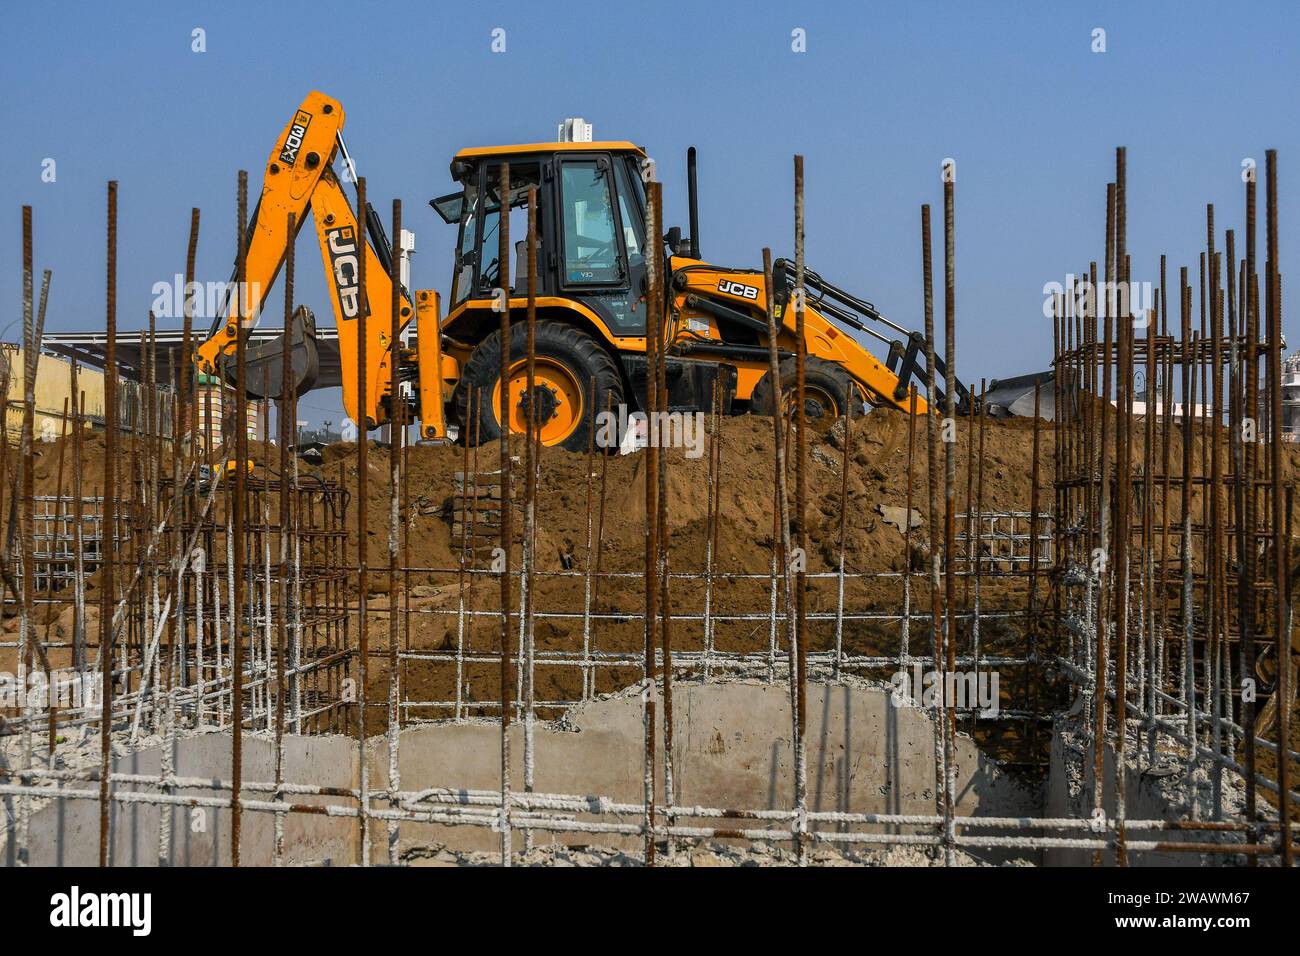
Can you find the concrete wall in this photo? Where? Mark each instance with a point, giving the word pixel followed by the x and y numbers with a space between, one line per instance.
pixel 1153 791
pixel 66 832
pixel 731 750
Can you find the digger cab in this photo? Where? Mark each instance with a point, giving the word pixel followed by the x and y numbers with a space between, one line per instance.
pixel 591 286
pixel 590 225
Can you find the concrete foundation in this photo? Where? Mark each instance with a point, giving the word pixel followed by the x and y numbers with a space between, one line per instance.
pixel 1154 789
pixel 732 749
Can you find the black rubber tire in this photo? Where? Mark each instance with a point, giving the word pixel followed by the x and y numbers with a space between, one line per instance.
pixel 819 374
pixel 591 365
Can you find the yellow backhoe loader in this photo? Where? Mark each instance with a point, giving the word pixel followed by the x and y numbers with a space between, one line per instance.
pixel 591 302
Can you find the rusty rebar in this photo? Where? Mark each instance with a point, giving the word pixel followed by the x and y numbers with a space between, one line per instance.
pixel 405 511
pixel 507 529
pixel 1216 561
pixel 396 443
pixel 531 437
pixel 239 518
pixel 979 534
pixel 932 480
pixel 78 543
pixel 1281 539
pixel 1186 557
pixel 186 399
pixel 1031 602
pixel 26 550
pixel 950 511
pixel 1101 556
pixel 1246 584
pixel 656 433
pixel 588 566
pixel 285 423
pixel 1166 458
pixel 711 523
pixel 363 548
pixel 654 313
pixel 110 523
pixel 843 530
pixel 800 648
pixel 1123 464
pixel 905 629
pixel 782 546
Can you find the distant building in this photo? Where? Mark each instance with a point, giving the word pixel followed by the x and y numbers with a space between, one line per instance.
pixel 52 393
pixel 1155 402
pixel 51 390
pixel 318 436
pixel 1291 398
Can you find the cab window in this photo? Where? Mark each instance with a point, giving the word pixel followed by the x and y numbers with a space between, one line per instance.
pixel 463 280
pixel 629 207
pixel 592 253
pixel 523 176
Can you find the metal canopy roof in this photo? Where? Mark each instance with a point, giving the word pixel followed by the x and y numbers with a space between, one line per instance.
pixel 87 348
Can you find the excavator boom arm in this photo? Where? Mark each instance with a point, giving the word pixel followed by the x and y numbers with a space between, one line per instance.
pixel 299 177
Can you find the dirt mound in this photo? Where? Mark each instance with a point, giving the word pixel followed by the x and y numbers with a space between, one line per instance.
pixel 877 463
pixel 877 474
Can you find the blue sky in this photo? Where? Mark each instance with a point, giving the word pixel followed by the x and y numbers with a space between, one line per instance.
pixel 884 93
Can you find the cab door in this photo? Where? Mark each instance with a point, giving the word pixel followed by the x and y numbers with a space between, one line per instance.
pixel 601 254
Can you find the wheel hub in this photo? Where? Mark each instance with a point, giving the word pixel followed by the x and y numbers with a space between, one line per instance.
pixel 817 405
pixel 555 400
pixel 813 408
pixel 544 398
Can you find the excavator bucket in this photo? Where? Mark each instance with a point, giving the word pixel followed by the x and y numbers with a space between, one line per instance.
pixel 1014 397
pixel 264 362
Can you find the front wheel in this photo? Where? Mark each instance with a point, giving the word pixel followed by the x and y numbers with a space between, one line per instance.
pixel 573 378
pixel 826 387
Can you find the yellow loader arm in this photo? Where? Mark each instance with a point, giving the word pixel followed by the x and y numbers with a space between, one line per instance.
pixel 706 297
pixel 299 177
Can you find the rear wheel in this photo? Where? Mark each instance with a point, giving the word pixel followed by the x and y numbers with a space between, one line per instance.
pixel 826 388
pixel 573 377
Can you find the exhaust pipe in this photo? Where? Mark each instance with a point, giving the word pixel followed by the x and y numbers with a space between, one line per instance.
pixel 693 197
